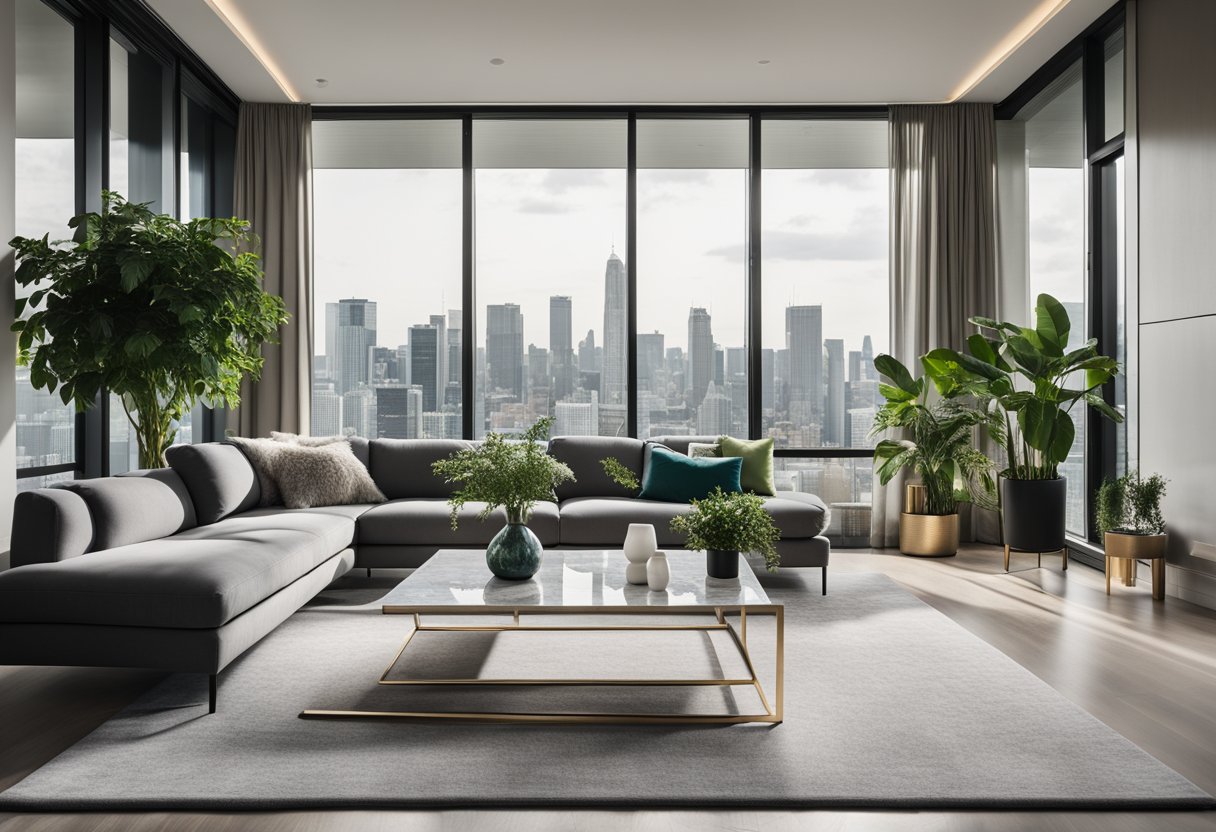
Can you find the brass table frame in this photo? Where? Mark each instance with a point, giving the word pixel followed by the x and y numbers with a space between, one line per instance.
pixel 773 712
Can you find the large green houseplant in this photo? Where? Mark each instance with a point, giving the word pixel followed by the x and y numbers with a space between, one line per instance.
pixel 938 445
pixel 159 312
pixel 511 474
pixel 1030 378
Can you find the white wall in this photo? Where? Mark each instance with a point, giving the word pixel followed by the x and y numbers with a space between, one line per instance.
pixel 8 380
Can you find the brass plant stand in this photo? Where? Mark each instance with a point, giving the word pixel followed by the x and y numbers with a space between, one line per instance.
pixel 1063 554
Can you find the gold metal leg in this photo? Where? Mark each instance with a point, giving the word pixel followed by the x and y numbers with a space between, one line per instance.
pixel 1129 572
pixel 1159 579
pixel 1039 559
pixel 1006 557
pixel 1064 554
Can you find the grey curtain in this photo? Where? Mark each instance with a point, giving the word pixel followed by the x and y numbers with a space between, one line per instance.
pixel 273 191
pixel 943 252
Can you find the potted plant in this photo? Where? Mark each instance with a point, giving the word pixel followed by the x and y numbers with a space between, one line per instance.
pixel 939 448
pixel 724 525
pixel 1032 381
pixel 148 308
pixel 513 474
pixel 1127 511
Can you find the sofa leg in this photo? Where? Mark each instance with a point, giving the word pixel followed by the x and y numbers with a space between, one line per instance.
pixel 369 571
pixel 825 578
pixel 211 692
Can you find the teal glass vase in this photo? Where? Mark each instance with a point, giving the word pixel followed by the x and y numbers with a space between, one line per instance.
pixel 514 553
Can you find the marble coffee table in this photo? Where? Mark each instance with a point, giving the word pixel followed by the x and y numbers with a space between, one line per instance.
pixel 581 583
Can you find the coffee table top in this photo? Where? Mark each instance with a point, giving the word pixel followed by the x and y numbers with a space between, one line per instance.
pixel 456 580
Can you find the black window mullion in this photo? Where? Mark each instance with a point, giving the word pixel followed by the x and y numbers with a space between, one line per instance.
pixel 754 310
pixel 631 274
pixel 468 340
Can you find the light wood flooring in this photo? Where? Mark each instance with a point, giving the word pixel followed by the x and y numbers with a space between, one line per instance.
pixel 1147 669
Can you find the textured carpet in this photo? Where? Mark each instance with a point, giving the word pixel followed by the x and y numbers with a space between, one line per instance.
pixel 888 704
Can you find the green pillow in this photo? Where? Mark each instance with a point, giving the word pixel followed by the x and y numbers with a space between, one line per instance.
pixel 675 478
pixel 757 457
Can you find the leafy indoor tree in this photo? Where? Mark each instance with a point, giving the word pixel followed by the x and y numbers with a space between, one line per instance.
pixel 161 313
pixel 1024 375
pixel 940 446
pixel 1130 504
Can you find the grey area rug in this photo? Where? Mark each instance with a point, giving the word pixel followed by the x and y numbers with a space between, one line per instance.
pixel 889 704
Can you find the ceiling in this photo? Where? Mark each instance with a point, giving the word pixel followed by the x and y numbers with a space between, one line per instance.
pixel 627 51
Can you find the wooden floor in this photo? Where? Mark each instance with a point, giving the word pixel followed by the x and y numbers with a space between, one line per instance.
pixel 1147 669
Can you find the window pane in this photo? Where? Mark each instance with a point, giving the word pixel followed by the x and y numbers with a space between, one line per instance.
pixel 1113 85
pixel 45 198
pixel 387 248
pixel 846 485
pixel 1120 243
pixel 1055 182
pixel 825 293
pixel 692 276
pixel 551 284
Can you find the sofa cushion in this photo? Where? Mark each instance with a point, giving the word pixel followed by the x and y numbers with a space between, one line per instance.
pixel 680 444
pixel 219 477
pixel 49 524
pixel 402 467
pixel 798 514
pixel 426 522
pixel 324 475
pixel 676 478
pixel 757 456
pixel 199 579
pixel 603 521
pixel 142 505
pixel 584 455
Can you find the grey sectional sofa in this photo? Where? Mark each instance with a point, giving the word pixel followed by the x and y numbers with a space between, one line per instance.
pixel 179 569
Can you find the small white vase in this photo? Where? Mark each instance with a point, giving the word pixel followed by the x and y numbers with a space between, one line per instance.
pixel 640 544
pixel 658 572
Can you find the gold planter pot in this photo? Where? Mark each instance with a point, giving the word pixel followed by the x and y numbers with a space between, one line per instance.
pixel 928 535
pixel 1123 551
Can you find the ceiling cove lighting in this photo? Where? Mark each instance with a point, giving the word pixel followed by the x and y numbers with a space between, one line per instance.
pixel 1021 33
pixel 226 11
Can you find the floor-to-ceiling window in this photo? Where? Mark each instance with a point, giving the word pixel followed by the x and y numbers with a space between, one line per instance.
pixel 45 200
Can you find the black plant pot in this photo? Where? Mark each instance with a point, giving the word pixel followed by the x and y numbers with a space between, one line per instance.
pixel 1033 514
pixel 722 563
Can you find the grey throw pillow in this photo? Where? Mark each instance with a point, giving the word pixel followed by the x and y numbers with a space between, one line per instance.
pixel 704 449
pixel 261 454
pixel 328 475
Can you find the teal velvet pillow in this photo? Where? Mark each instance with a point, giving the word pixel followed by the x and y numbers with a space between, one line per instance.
pixel 675 478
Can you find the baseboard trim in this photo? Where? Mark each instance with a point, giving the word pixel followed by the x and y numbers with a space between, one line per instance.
pixel 1185 584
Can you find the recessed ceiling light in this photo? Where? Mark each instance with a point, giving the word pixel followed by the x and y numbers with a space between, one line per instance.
pixel 322 82
pixel 764 61
pixel 497 61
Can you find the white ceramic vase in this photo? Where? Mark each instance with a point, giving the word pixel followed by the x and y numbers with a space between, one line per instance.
pixel 640 544
pixel 658 572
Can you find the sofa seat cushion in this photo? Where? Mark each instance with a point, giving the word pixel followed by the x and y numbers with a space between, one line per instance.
pixel 797 514
pixel 427 522
pixel 199 579
pixel 603 521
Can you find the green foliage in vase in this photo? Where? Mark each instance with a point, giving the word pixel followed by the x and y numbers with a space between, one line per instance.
pixel 735 522
pixel 1130 504
pixel 619 474
pixel 1024 374
pixel 500 471
pixel 940 446
pixel 148 308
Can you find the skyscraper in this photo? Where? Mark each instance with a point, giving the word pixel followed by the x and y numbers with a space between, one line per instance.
pixel 424 364
pixel 505 349
pixel 804 340
pixel 613 376
pixel 359 412
pixel 867 359
pixel 455 325
pixel 700 355
pixel 398 411
pixel 331 341
pixel 326 414
pixel 355 335
pixel 561 346
pixel 713 415
pixel 650 359
pixel 441 359
pixel 834 421
pixel 586 354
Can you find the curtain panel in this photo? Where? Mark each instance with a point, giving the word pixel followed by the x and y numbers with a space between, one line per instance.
pixel 943 254
pixel 273 191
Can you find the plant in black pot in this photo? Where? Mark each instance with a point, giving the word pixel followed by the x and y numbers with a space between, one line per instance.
pixel 938 446
pixel 725 525
pixel 1127 511
pixel 1033 381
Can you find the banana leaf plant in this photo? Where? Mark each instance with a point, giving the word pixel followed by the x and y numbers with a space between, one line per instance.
pixel 941 448
pixel 1031 380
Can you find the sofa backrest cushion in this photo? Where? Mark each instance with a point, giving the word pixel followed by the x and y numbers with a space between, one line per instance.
pixel 49 525
pixel 132 508
pixel 680 444
pixel 675 478
pixel 583 455
pixel 402 467
pixel 220 479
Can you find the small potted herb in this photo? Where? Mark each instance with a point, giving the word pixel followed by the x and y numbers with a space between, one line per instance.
pixel 1128 513
pixel 724 525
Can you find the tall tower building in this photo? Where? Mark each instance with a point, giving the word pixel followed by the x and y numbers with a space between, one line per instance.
pixel 354 338
pixel 424 363
pixel 804 341
pixel 713 415
pixel 700 356
pixel 586 354
pixel 439 322
pixel 326 414
pixel 561 346
pixel 867 359
pixel 331 340
pixel 613 376
pixel 650 359
pixel 834 421
pixel 455 325
pixel 505 349
pixel 359 412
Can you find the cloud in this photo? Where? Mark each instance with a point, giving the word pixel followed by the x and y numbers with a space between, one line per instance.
pixel 532 205
pixel 850 179
pixel 673 176
pixel 560 180
pixel 857 244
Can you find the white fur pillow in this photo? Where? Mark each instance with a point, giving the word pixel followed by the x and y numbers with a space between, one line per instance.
pixel 307 441
pixel 261 454
pixel 328 475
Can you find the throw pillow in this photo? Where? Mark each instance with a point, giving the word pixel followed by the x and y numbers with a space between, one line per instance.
pixel 307 441
pixel 328 475
pixel 261 454
pixel 700 449
pixel 757 456
pixel 675 478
